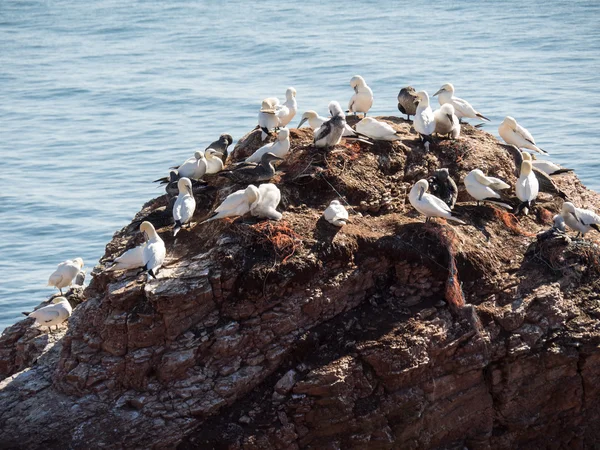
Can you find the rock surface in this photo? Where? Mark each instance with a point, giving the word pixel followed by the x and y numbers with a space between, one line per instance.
pixel 387 333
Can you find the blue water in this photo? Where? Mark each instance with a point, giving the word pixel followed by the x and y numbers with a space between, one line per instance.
pixel 99 98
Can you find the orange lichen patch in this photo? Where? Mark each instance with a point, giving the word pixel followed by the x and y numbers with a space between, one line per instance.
pixel 511 222
pixel 278 237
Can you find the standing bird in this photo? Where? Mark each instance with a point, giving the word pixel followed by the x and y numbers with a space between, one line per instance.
pixel 548 167
pixel 407 98
pixel 55 313
pixel 424 122
pixel 484 188
pixel 546 184
pixel 462 107
pixel 286 112
pixel 185 205
pixel 362 100
pixel 65 274
pixel 221 145
pixel 336 214
pixel 527 187
pixel 266 206
pixel 558 223
pixel 267 120
pixel 429 205
pixel 515 134
pixel 443 187
pixel 330 133
pixel 247 173
pixel 580 220
pixel 154 252
pixel 214 162
pixel 279 148
pixel 446 122
pixel 236 204
pixel 377 130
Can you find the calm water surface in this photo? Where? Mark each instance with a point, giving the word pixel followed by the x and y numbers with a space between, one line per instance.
pixel 99 98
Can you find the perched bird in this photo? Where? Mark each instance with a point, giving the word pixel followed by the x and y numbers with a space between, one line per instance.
pixel 267 120
pixel 185 205
pixel 558 223
pixel 424 122
pixel 314 120
pixel 221 145
pixel 548 167
pixel 131 259
pixel 266 206
pixel 462 107
pixel 374 129
pixel 80 278
pixel 515 134
pixel 527 187
pixel 362 100
pixel 236 204
pixel 446 122
pixel 443 187
pixel 279 148
pixel 484 188
pixel 214 162
pixel 65 274
pixel 407 98
pixel 54 314
pixel 580 220
pixel 330 133
pixel 336 214
pixel 154 251
pixel 193 168
pixel 286 112
pixel 429 205
pixel 252 172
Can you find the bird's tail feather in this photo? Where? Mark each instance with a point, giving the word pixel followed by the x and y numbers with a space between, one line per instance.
pixel 499 203
pixel 26 313
pixel 176 227
pixel 595 226
pixel 559 171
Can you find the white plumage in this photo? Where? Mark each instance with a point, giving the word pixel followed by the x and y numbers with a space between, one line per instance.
pixel 377 130
pixel 185 205
pixel 462 107
pixel 287 111
pixel 65 273
pixel 429 205
pixel 331 132
pixel 131 259
pixel 515 134
pixel 314 120
pixel 336 214
pixel 53 314
pixel 446 121
pixel 267 120
pixel 527 186
pixel 266 206
pixel 194 167
pixel 578 219
pixel 214 163
pixel 362 100
pixel 279 148
pixel 154 251
pixel 424 121
pixel 237 204
pixel 482 187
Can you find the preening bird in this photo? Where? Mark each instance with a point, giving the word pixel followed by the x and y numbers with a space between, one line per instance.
pixel 236 204
pixel 267 119
pixel 266 206
pixel 446 122
pixel 54 314
pixel 424 122
pixel 65 274
pixel 527 187
pixel 330 133
pixel 515 134
pixel 220 146
pixel 443 187
pixel 362 100
pixel 246 173
pixel 185 205
pixel 286 112
pixel 407 98
pixel 336 214
pixel 580 220
pixel 429 205
pixel 154 251
pixel 377 130
pixel 484 188
pixel 214 163
pixel 279 148
pixel 462 108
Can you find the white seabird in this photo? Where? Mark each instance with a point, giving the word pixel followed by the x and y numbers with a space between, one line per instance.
pixel 446 121
pixel 154 251
pixel 214 162
pixel 54 314
pixel 65 274
pixel 267 120
pixel 266 206
pixel 548 167
pixel 286 112
pixel 131 259
pixel 424 120
pixel 336 214
pixel 236 204
pixel 527 187
pixel 185 205
pixel 580 220
pixel 330 133
pixel 558 223
pixel 193 168
pixel 362 100
pixel 462 107
pixel 515 134
pixel 483 188
pixel 314 120
pixel 429 205
pixel 279 148
pixel 377 130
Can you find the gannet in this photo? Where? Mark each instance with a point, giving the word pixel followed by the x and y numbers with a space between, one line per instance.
pixel 407 98
pixel 429 205
pixel 185 205
pixel 580 220
pixel 558 223
pixel 443 187
pixel 462 107
pixel 548 167
pixel 154 251
pixel 287 111
pixel 446 122
pixel 214 163
pixel 193 168
pixel 330 133
pixel 65 273
pixel 314 120
pixel 267 120
pixel 131 259
pixel 236 204
pixel 252 172
pixel 483 188
pixel 515 134
pixel 279 148
pixel 527 187
pixel 221 145
pixel 424 122
pixel 362 100
pixel 54 314
pixel 377 130
pixel 80 278
pixel 336 214
pixel 266 206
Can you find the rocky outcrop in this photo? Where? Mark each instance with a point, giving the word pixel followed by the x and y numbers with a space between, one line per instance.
pixel 387 333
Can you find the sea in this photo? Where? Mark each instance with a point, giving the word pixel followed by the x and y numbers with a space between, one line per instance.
pixel 97 99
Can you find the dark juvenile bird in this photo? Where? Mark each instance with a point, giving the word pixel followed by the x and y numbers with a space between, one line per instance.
pixel 253 172
pixel 406 101
pixel 330 133
pixel 443 187
pixel 221 145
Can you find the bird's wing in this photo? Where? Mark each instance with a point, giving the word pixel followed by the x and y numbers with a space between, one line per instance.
pixel 436 202
pixel 546 183
pixel 232 201
pixel 525 134
pixel 351 102
pixel 516 155
pixel 497 183
pixel 323 131
pixel 587 217
pixel 463 106
pixel 45 314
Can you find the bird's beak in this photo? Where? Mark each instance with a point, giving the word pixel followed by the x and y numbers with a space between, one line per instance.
pixel 302 122
pixel 356 89
pixel 421 193
pixel 416 102
pixel 277 158
pixel 449 116
pixel 189 188
pixel 146 236
pixel 438 92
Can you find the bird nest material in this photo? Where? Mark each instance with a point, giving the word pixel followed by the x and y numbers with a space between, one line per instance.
pixel 277 238
pixel 511 222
